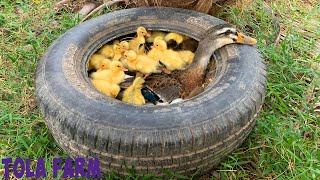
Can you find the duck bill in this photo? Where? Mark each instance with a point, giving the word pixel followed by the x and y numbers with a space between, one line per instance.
pixel 152 47
pixel 148 35
pixel 124 69
pixel 243 39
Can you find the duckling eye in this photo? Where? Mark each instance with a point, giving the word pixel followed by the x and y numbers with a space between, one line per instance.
pixel 234 39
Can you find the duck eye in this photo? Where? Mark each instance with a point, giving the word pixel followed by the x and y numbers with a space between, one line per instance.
pixel 234 39
pixel 228 32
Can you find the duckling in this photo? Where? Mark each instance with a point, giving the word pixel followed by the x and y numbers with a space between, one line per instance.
pixel 168 57
pixel 154 53
pixel 113 75
pixel 110 89
pixel 188 83
pixel 137 43
pixel 133 94
pixel 125 47
pixel 118 50
pixel 186 56
pixel 141 63
pixel 97 61
pixel 107 50
pixel 178 38
pixel 155 34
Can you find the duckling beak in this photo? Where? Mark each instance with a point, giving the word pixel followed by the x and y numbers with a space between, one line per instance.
pixel 100 69
pixel 243 39
pixel 152 47
pixel 148 35
pixel 124 69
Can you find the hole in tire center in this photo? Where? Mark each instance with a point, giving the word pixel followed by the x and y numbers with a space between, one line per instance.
pixel 152 85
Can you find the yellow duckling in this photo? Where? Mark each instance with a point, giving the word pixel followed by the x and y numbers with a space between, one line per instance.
pixel 133 94
pixel 168 57
pixel 141 63
pixel 117 49
pixel 154 53
pixel 137 43
pixel 110 89
pixel 186 56
pixel 113 75
pixel 97 61
pixel 107 50
pixel 155 34
pixel 125 47
pixel 178 38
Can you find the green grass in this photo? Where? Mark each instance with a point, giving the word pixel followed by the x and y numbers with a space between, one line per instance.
pixel 285 142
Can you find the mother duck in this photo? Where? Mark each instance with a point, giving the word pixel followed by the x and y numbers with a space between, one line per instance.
pixel 188 83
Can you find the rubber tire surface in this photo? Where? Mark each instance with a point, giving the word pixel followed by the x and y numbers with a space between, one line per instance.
pixel 184 137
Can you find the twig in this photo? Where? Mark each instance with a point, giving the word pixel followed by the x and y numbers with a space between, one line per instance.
pixel 107 4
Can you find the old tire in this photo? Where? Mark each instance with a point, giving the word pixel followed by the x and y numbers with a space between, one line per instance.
pixel 191 135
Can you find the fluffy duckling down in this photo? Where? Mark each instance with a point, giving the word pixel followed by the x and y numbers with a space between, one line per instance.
pixel 141 63
pixel 113 75
pixel 137 44
pixel 186 56
pixel 109 89
pixel 119 49
pixel 133 94
pixel 155 34
pixel 171 59
pixel 154 53
pixel 178 38
pixel 98 61
pixel 107 50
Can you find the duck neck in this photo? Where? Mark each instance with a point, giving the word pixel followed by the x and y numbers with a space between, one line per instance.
pixel 206 48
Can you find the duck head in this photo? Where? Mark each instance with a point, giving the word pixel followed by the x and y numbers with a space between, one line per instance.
pixel 124 45
pixel 130 55
pixel 217 37
pixel 141 31
pixel 117 49
pixel 116 66
pixel 104 65
pixel 159 44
